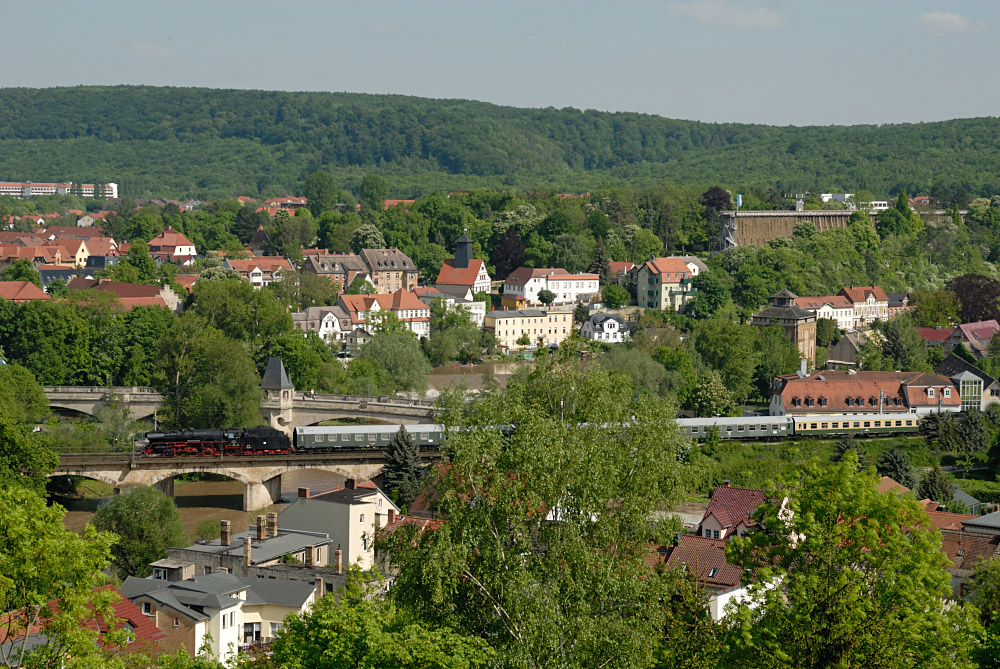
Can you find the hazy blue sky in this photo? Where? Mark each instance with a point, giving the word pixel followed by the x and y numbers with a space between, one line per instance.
pixel 768 61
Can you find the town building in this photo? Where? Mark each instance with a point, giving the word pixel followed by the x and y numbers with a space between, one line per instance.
pixel 892 394
pixel 365 310
pixel 340 268
pixel 665 283
pixel 977 389
pixel 476 309
pixel 172 246
pixel 606 328
pixel 527 282
pixel 21 291
pixel 705 560
pixel 131 294
pixel 730 512
pixel 260 271
pixel 899 303
pixel 349 515
pixel 833 307
pixel 538 328
pixel 23 190
pixel 846 351
pixel 798 324
pixel 330 323
pixel 36 255
pixel 289 202
pixel 623 271
pixel 975 337
pixel 463 272
pixel 389 270
pixel 227 612
pixel 870 304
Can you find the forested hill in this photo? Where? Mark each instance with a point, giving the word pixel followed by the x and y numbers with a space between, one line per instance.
pixel 206 142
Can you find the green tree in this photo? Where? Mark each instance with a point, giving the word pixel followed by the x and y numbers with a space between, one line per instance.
pixel 57 289
pixel 353 630
pixel 321 191
pixel 902 346
pixel 454 336
pixel 615 296
pixel 367 237
pixel 601 266
pixel 937 487
pixel 580 313
pixel 777 356
pixel 547 524
pixel 22 399
pixel 894 464
pixel 731 349
pixel 206 379
pixel 710 397
pixel 21 270
pixel 41 561
pixel 844 575
pixel 254 317
pixel 403 473
pixel 373 194
pixel 146 523
pixel 546 296
pixel 398 354
pixel 24 459
pixel 827 332
pixel 710 295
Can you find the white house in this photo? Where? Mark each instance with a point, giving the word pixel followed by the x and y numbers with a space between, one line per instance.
pixel 365 309
pixel 834 307
pixel 607 328
pixel 527 282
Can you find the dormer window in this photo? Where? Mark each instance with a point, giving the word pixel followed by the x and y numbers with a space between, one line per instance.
pixel 850 401
pixel 822 402
pixel 930 392
pixel 947 392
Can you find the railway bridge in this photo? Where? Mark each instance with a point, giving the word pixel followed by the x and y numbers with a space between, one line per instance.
pixel 259 474
pixel 282 406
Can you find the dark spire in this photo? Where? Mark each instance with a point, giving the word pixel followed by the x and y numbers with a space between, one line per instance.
pixel 275 376
pixel 463 252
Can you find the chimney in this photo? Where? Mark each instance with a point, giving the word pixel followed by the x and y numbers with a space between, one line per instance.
pixel 303 493
pixel 246 551
pixel 272 524
pixel 726 482
pixel 350 484
pixel 338 560
pixel 261 528
pixel 310 555
pixel 320 587
pixel 392 517
pixel 225 535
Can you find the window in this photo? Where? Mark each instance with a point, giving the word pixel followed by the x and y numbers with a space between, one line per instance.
pixel 930 392
pixel 824 426
pixel 177 622
pixel 878 423
pixel 712 572
pixel 251 632
pixel 224 621
pixel 208 570
pixel 275 628
pixel 850 401
pixel 857 424
pixel 159 573
pixel 812 426
pixel 707 533
pixel 147 609
pixel 362 519
pixel 868 424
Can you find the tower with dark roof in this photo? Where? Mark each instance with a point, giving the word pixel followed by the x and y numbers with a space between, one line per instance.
pixel 463 252
pixel 279 395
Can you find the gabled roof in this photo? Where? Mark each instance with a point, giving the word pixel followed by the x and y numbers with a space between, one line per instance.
pixel 952 366
pixel 979 331
pixel 816 303
pixel 732 506
pixel 119 288
pixel 264 263
pixel 621 266
pixel 837 386
pixel 169 238
pixel 275 376
pixel 935 335
pixel 860 293
pixel 387 260
pixel 887 484
pixel 522 275
pixel 706 560
pixel 459 276
pixel 401 300
pixel 672 265
pixel 20 291
pixel 965 549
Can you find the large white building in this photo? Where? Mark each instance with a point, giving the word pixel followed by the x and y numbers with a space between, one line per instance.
pixel 527 282
pixel 23 190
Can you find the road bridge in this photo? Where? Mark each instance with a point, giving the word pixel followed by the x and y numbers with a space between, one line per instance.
pixel 259 474
pixel 282 406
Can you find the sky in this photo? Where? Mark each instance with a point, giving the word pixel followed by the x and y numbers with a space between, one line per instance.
pixel 779 62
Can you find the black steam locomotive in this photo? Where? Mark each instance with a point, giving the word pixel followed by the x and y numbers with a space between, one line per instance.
pixel 207 443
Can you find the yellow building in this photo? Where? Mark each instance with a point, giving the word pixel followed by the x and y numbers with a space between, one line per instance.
pixel 534 326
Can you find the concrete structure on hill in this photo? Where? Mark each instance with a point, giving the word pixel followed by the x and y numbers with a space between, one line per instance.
pixel 798 324
pixel 755 228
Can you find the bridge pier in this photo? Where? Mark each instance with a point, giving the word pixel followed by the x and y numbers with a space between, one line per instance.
pixel 166 486
pixel 260 495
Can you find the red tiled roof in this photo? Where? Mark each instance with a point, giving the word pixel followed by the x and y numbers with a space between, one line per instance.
pixel 887 484
pixel 815 303
pixel 860 293
pixel 73 231
pixel 459 276
pixel 522 275
pixel 965 549
pixel 672 265
pixel 21 291
pixel 732 506
pixel 621 266
pixel 392 203
pixel 935 335
pixel 169 238
pixel 266 263
pixel 942 520
pixel 399 301
pixel 121 289
pixel 980 330
pixel 701 556
pixel 837 386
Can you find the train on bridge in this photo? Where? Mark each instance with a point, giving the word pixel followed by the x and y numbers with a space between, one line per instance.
pixel 328 439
